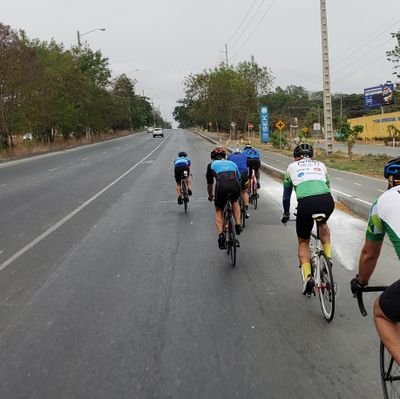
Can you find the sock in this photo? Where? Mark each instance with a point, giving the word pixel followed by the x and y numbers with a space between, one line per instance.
pixel 327 250
pixel 306 269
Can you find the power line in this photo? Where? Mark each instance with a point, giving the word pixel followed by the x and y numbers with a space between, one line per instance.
pixel 241 23
pixel 248 23
pixel 353 50
pixel 256 27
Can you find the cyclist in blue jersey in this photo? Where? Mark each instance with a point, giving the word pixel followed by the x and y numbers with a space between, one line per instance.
pixel 181 164
pixel 253 161
pixel 241 161
pixel 227 177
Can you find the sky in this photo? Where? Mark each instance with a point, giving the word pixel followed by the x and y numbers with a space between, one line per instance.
pixel 159 42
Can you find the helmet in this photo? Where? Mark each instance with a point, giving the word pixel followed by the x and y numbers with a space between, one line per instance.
pixel 237 150
pixel 303 150
pixel 392 168
pixel 247 146
pixel 218 153
pixel 182 154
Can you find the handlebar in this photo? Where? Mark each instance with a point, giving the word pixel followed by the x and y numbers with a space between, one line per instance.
pixel 360 296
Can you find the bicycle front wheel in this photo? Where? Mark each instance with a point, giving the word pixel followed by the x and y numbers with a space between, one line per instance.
pixel 255 201
pixel 390 374
pixel 326 289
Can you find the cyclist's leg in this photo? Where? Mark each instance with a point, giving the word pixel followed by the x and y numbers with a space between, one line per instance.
pixel 189 181
pixel 257 172
pixel 387 318
pixel 178 179
pixel 326 205
pixel 304 224
pixel 236 211
pixel 219 219
pixel 219 202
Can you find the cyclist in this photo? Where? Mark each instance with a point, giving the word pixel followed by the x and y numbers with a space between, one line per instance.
pixel 384 218
pixel 253 161
pixel 241 161
pixel 227 177
pixel 181 164
pixel 309 178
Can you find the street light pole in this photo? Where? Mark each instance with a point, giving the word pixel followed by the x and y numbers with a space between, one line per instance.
pixel 79 35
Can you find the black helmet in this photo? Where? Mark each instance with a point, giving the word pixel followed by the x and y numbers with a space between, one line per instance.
pixel 218 153
pixel 303 150
pixel 182 154
pixel 392 168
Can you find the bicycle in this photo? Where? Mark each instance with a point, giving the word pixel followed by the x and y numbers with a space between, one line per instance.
pixel 231 241
pixel 321 270
pixel 389 369
pixel 253 195
pixel 184 190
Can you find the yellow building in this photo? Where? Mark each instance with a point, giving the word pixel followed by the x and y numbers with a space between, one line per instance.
pixel 376 125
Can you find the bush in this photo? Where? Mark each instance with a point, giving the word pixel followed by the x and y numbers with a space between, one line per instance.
pixel 279 140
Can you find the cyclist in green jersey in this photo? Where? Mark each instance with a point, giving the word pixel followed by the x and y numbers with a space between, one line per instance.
pixel 310 181
pixel 384 218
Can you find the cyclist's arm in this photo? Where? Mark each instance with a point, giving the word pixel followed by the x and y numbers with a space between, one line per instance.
pixel 368 259
pixel 328 182
pixel 372 247
pixel 287 193
pixel 210 180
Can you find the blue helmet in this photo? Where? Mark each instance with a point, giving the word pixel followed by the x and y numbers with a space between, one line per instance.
pixel 392 168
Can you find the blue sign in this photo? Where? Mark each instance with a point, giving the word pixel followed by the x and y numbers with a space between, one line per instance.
pixel 378 96
pixel 264 124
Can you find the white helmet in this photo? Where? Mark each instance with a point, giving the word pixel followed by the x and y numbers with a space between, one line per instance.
pixel 237 150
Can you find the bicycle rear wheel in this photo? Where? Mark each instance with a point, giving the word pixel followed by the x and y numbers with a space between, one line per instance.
pixel 231 244
pixel 185 194
pixel 242 214
pixel 390 374
pixel 326 290
pixel 255 201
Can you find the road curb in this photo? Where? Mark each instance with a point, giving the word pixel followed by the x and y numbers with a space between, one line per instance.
pixel 356 205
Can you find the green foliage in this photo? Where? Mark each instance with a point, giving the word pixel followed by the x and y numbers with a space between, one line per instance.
pixel 51 91
pixel 223 95
pixel 349 135
pixel 279 140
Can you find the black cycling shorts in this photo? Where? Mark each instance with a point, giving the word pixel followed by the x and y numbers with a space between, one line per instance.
pixel 306 207
pixel 244 180
pixel 253 163
pixel 179 172
pixel 389 302
pixel 227 186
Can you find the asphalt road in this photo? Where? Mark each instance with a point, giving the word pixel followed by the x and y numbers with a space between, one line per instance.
pixel 108 290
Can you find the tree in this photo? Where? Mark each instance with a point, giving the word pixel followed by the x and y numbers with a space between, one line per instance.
pixel 349 135
pixel 394 55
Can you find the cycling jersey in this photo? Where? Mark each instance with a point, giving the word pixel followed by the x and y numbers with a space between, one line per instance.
pixel 182 161
pixel 384 218
pixel 251 153
pixel 219 167
pixel 240 160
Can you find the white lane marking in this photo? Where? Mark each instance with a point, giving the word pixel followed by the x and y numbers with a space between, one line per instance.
pixel 1 251
pixel 104 152
pixel 338 178
pixel 3 185
pixel 84 159
pixel 381 191
pixel 357 184
pixel 65 219
pixel 52 170
pixel 116 148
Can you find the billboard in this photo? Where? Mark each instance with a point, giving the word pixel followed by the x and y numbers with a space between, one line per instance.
pixel 378 96
pixel 264 123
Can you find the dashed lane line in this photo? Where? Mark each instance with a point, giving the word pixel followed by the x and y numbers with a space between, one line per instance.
pixel 65 219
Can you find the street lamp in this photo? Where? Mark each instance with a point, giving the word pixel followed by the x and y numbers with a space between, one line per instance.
pixel 79 35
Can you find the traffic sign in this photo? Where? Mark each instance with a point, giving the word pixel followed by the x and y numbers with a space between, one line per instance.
pixel 280 125
pixel 233 124
pixel 250 125
pixel 305 129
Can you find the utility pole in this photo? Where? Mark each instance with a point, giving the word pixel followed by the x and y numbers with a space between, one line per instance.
pixel 79 38
pixel 226 56
pixel 327 100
